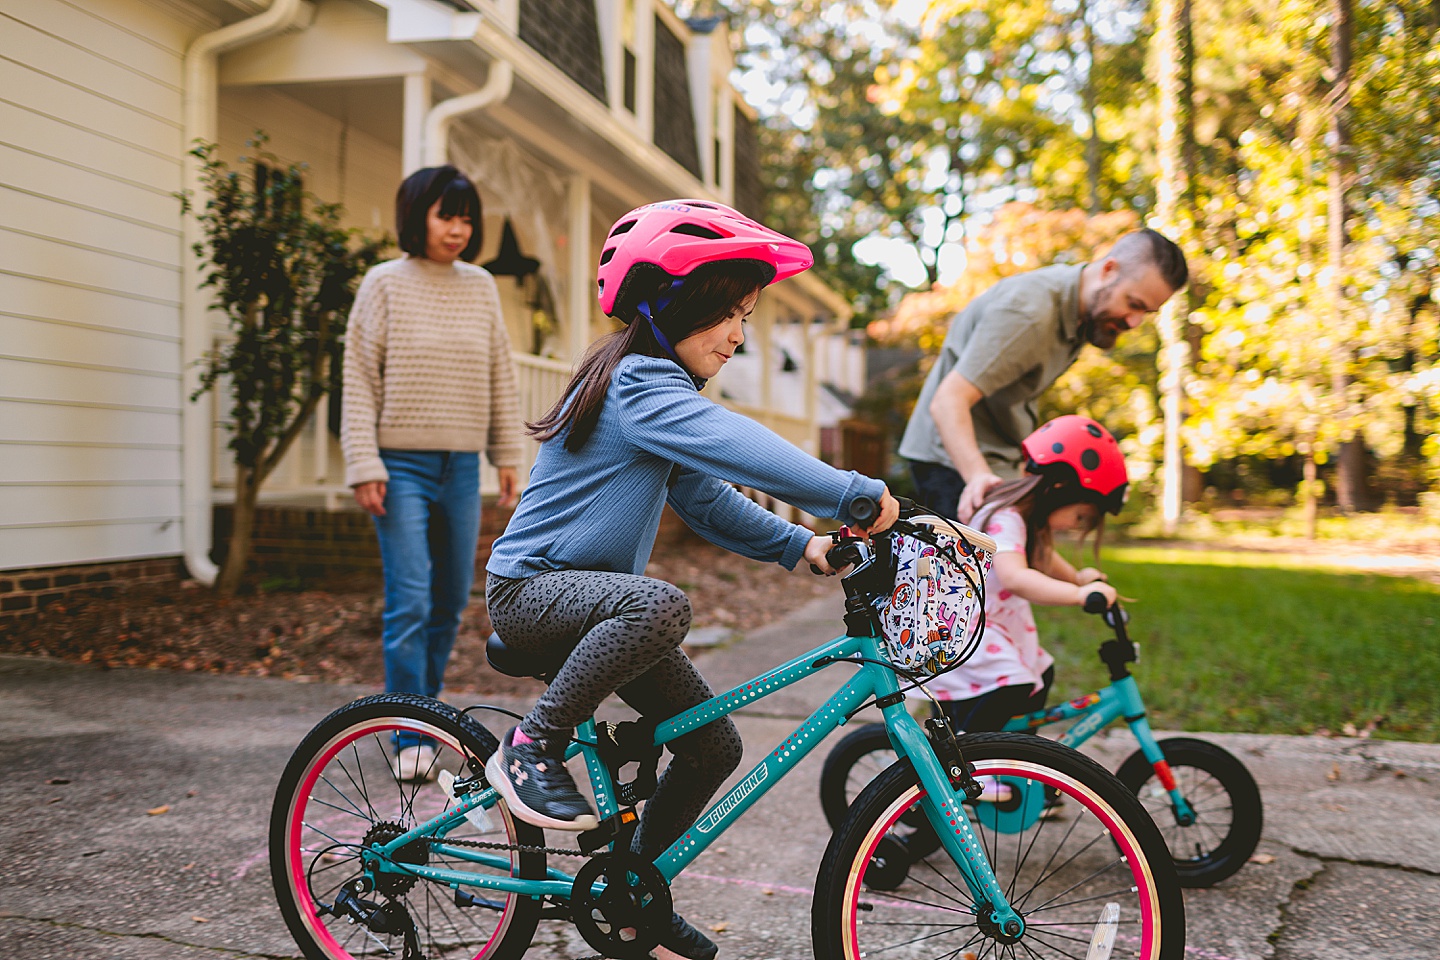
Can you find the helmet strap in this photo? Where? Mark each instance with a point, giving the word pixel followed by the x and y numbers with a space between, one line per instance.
pixel 649 310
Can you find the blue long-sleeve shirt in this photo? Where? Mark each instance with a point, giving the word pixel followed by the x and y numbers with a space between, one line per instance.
pixel 599 508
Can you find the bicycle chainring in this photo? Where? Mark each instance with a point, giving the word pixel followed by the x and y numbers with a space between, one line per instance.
pixel 625 919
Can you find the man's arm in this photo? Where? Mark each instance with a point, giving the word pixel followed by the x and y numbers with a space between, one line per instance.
pixel 950 408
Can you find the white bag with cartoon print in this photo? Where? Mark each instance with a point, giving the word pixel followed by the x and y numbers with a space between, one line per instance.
pixel 929 623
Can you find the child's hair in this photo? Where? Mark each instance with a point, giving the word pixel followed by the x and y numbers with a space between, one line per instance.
pixel 1035 499
pixel 708 295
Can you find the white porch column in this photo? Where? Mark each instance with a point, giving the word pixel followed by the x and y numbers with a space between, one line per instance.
pixel 417 107
pixel 581 265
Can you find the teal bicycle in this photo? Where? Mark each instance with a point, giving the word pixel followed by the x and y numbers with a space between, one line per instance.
pixel 1204 799
pixel 365 865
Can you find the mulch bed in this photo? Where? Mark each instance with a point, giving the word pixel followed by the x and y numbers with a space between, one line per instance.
pixel 332 633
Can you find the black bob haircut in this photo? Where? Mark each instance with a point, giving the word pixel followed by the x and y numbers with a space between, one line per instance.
pixel 458 198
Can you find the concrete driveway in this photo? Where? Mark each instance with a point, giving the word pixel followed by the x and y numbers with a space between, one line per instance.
pixel 95 869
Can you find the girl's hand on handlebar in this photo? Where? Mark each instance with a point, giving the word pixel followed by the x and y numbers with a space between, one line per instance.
pixel 1084 590
pixel 889 513
pixel 815 555
pixel 1088 575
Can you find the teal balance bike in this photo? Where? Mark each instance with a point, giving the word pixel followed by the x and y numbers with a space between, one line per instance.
pixel 367 865
pixel 1203 798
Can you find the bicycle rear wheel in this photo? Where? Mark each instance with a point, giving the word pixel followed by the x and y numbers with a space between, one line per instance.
pixel 339 794
pixel 1098 872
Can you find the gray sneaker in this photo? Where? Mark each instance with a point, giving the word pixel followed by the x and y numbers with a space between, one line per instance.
pixel 535 784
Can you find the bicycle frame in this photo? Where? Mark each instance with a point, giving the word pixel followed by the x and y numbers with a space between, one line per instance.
pixel 941 804
pixel 1096 711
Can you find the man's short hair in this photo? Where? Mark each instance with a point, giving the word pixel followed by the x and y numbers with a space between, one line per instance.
pixel 458 198
pixel 1148 248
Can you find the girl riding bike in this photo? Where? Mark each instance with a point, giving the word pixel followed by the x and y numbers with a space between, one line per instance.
pixel 631 434
pixel 1075 473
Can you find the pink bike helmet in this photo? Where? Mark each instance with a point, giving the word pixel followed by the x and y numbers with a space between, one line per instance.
pixel 672 238
pixel 1075 450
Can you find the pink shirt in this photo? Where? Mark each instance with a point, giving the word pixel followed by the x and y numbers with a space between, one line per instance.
pixel 1010 651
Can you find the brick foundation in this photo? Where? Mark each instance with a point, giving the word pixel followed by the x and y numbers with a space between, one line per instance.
pixel 25 592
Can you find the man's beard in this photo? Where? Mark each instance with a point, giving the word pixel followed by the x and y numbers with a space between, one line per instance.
pixel 1100 330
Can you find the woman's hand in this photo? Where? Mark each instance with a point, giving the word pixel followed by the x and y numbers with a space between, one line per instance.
pixel 371 497
pixel 509 487
pixel 1084 590
pixel 815 554
pixel 1088 575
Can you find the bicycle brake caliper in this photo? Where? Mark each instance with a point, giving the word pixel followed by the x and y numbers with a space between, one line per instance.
pixel 947 750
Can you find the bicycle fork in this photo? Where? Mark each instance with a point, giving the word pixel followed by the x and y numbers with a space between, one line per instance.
pixel 947 816
pixel 1133 710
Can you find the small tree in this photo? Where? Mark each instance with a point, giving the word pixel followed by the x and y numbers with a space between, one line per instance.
pixel 285 274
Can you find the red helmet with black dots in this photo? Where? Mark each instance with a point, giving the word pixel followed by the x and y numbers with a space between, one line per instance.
pixel 1077 451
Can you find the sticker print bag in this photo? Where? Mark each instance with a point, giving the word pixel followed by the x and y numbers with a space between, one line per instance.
pixel 929 621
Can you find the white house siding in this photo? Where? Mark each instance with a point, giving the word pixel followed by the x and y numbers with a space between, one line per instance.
pixel 90 249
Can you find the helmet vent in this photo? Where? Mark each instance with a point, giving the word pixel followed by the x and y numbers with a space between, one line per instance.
pixel 702 206
pixel 607 256
pixel 625 227
pixel 696 230
pixel 1090 460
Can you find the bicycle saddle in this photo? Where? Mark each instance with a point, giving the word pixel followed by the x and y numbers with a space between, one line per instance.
pixel 513 663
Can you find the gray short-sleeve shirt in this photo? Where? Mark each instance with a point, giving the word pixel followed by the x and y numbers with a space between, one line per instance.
pixel 1012 342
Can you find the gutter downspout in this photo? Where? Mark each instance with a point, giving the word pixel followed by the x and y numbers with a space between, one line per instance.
pixel 196 418
pixel 438 121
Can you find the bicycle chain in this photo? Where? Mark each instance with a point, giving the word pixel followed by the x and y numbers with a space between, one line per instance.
pixel 522 848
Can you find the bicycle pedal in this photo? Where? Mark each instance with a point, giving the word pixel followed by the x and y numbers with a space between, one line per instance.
pixel 612 829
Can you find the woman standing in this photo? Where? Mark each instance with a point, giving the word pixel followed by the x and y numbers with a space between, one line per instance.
pixel 429 385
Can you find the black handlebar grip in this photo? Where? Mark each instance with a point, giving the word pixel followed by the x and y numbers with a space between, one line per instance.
pixel 1095 603
pixel 864 510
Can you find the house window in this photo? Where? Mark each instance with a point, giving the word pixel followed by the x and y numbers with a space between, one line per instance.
pixel 628 27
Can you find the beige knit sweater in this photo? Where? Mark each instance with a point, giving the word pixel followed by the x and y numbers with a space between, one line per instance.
pixel 427 367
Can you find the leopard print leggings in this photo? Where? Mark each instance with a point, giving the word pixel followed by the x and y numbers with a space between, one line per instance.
pixel 619 633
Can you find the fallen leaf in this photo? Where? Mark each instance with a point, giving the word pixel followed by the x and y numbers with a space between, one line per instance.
pixel 768 892
pixel 157 811
pixel 200 919
pixel 57 781
pixel 967 955
pixel 188 866
pixel 718 927
pixel 1334 773
pixel 1263 858
pixel 55 799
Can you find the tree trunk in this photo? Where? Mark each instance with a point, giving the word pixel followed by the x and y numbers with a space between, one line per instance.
pixel 1169 189
pixel 1092 143
pixel 1308 498
pixel 1350 468
pixel 242 531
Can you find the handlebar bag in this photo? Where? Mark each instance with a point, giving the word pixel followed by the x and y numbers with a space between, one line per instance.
pixel 939 592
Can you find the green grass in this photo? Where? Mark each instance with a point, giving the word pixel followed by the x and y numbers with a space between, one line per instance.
pixel 1262 644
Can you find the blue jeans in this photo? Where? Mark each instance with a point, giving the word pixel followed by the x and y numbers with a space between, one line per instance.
pixel 427 547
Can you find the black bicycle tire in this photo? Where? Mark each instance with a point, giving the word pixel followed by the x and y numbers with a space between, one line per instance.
pixel 472 735
pixel 828 922
pixel 1246 806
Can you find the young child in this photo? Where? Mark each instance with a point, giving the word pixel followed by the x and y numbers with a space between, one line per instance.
pixel 1074 474
pixel 631 434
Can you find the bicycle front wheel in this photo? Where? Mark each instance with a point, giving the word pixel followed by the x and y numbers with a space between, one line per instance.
pixel 1090 876
pixel 341 793
pixel 1223 796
